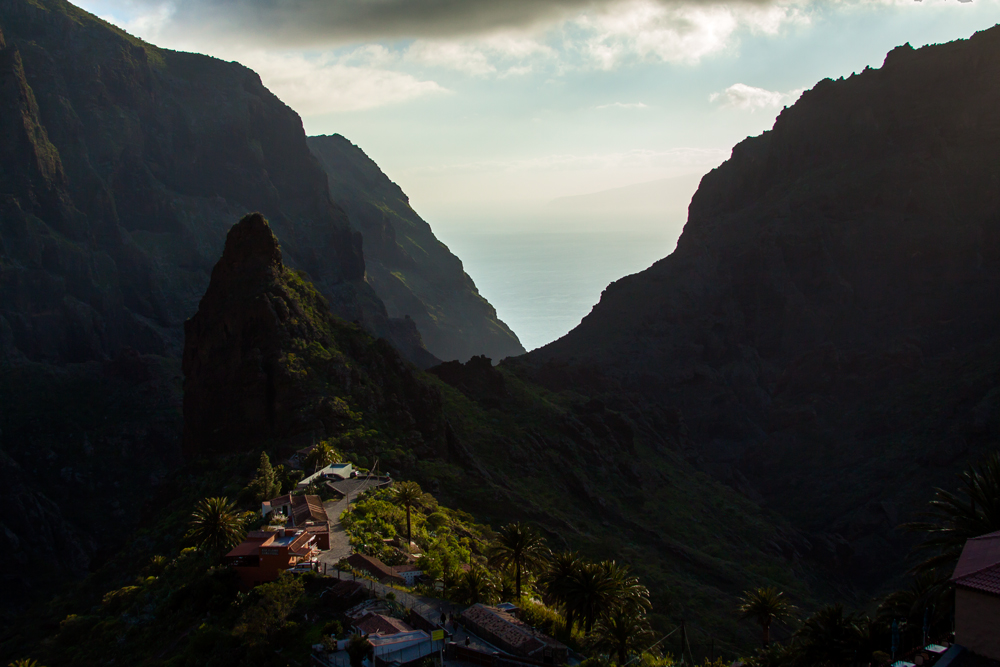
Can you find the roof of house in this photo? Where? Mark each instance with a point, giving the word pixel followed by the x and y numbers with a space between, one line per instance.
pixel 410 567
pixel 250 545
pixel 371 624
pixel 978 567
pixel 379 641
pixel 346 588
pixel 308 508
pixel 371 565
pixel 516 633
pixel 286 499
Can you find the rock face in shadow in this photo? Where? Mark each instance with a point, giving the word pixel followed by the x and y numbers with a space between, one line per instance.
pixel 410 269
pixel 829 321
pixel 124 166
pixel 265 361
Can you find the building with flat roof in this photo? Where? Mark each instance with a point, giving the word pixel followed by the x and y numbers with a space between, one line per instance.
pixel 334 471
pixel 264 554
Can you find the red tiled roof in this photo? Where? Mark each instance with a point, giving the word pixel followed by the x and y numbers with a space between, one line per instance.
pixel 308 508
pixel 979 565
pixel 517 634
pixel 377 623
pixel 399 569
pixel 373 566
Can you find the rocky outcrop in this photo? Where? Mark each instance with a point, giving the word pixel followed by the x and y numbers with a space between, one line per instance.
pixel 414 274
pixel 123 168
pixel 265 361
pixel 836 284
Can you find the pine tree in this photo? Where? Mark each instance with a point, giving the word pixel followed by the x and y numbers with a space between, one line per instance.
pixel 265 485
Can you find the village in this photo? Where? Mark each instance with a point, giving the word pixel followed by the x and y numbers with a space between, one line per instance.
pixel 379 619
pixel 390 600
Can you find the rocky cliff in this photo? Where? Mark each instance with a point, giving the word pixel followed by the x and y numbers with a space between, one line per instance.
pixel 414 274
pixel 122 167
pixel 265 362
pixel 828 324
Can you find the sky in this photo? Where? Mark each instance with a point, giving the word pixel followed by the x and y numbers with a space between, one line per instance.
pixel 485 111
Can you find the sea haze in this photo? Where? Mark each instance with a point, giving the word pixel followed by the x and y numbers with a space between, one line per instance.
pixel 544 268
pixel 543 284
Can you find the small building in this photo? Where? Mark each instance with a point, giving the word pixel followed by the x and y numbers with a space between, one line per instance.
pixel 410 573
pixel 298 459
pixel 304 512
pixel 977 596
pixel 371 624
pixel 375 568
pixel 263 555
pixel 333 472
pixel 513 635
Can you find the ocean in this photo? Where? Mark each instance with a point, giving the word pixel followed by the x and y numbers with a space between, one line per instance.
pixel 543 284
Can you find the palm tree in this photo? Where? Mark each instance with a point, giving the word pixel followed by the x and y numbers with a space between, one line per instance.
pixel 927 591
pixel 215 524
pixel 953 518
pixel 358 649
pixel 828 638
pixel 24 662
pixel 474 586
pixel 556 580
pixel 517 546
pixel 590 593
pixel 321 456
pixel 628 592
pixel 623 631
pixel 765 605
pixel 408 494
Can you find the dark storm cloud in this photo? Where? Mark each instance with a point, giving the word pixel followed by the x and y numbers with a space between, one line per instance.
pixel 314 22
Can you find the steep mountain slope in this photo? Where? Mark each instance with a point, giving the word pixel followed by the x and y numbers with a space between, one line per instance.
pixel 122 167
pixel 828 324
pixel 129 162
pixel 267 366
pixel 266 362
pixel 412 272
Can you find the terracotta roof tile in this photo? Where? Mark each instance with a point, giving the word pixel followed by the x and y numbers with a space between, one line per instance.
pixel 516 633
pixel 380 624
pixel 978 567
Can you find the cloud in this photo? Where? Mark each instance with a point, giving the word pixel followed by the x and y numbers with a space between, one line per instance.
pixel 503 55
pixel 679 32
pixel 314 86
pixel 683 159
pixel 749 98
pixel 311 23
pixel 623 105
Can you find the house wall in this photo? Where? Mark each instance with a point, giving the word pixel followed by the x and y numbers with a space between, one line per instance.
pixel 977 622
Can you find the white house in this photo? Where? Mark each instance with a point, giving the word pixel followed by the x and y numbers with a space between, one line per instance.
pixel 334 471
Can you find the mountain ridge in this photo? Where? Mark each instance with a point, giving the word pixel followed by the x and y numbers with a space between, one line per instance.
pixel 833 266
pixel 414 274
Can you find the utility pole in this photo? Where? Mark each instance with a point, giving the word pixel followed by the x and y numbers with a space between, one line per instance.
pixel 683 640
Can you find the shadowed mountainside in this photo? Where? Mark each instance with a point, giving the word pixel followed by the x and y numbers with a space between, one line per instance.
pixel 414 274
pixel 265 362
pixel 828 324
